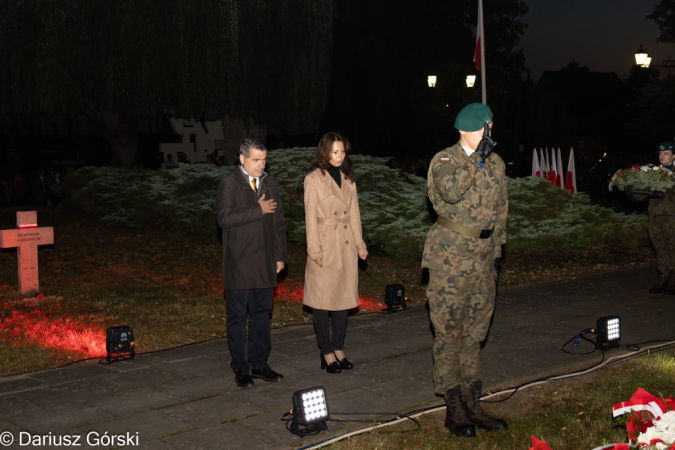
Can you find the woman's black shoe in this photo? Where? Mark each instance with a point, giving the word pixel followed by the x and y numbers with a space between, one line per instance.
pixel 345 364
pixel 333 367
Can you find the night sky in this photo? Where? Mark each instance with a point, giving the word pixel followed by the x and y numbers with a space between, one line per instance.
pixel 387 115
pixel 602 35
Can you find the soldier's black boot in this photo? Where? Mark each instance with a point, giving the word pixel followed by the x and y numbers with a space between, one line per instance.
pixel 670 287
pixel 455 415
pixel 475 411
pixel 661 286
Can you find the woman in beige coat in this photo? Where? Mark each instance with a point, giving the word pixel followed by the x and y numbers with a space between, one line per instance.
pixel 334 242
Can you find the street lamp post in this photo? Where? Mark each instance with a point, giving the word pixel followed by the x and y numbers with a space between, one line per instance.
pixel 643 59
pixel 431 80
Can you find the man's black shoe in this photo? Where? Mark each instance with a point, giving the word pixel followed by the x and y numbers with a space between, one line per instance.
pixel 266 374
pixel 243 379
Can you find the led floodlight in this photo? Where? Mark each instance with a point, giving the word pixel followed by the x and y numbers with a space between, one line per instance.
pixel 607 332
pixel 120 340
pixel 395 299
pixel 310 409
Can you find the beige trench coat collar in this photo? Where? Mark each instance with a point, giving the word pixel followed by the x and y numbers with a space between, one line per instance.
pixel 343 192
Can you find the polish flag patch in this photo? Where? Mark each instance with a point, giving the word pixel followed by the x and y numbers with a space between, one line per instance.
pixel 445 159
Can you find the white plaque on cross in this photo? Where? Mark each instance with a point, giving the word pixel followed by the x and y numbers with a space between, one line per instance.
pixel 26 239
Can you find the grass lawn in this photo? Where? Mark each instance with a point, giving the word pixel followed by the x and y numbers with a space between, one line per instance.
pixel 572 414
pixel 166 285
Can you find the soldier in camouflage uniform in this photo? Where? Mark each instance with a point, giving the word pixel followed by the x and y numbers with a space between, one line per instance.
pixel 467 187
pixel 661 222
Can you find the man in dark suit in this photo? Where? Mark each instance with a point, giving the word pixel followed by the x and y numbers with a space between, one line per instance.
pixel 249 211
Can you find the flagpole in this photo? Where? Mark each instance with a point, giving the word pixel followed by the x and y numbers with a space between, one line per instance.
pixel 482 52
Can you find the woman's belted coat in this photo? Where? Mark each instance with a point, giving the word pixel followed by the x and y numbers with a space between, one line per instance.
pixel 333 228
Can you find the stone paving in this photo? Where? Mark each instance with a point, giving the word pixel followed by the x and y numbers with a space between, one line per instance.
pixel 186 398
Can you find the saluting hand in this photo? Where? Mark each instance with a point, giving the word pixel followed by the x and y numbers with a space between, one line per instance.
pixel 267 206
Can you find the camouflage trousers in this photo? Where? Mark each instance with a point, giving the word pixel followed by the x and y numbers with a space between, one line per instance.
pixel 460 309
pixel 660 233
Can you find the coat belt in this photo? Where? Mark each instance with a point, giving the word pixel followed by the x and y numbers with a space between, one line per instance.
pixel 462 229
pixel 336 222
pixel 326 221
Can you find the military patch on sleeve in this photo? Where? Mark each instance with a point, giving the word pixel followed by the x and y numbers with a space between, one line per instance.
pixel 445 159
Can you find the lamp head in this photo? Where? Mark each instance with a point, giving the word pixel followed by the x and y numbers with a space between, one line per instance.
pixel 608 332
pixel 310 410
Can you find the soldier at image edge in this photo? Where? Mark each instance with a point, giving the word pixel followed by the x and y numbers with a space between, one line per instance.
pixel 661 213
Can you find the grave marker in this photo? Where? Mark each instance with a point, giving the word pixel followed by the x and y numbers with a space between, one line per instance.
pixel 26 240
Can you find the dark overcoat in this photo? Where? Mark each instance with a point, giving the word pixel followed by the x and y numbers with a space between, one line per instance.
pixel 253 242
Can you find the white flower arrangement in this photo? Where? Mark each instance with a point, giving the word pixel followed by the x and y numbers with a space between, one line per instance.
pixel 647 178
pixel 660 436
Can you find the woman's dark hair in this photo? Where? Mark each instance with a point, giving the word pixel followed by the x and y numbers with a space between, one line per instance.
pixel 323 154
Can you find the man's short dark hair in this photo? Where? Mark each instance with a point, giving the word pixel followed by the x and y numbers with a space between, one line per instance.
pixel 248 144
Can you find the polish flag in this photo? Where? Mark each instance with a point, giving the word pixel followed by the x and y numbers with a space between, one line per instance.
pixel 536 170
pixel 544 166
pixel 561 178
pixel 479 32
pixel 571 181
pixel 476 55
pixel 554 168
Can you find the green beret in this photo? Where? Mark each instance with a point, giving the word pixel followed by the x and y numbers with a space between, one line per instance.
pixel 666 145
pixel 473 117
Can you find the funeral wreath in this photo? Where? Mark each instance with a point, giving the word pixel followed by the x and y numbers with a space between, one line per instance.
pixel 644 181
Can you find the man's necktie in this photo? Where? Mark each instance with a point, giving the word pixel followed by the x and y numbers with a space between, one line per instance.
pixel 253 183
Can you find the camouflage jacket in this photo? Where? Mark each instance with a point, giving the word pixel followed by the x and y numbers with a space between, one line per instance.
pixel 463 192
pixel 663 207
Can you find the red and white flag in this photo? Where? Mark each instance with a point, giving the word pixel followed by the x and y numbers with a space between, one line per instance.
pixel 544 167
pixel 571 181
pixel 479 32
pixel 554 168
pixel 561 178
pixel 536 169
pixel 643 401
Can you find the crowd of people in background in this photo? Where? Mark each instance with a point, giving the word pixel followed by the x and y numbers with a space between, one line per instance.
pixel 43 189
